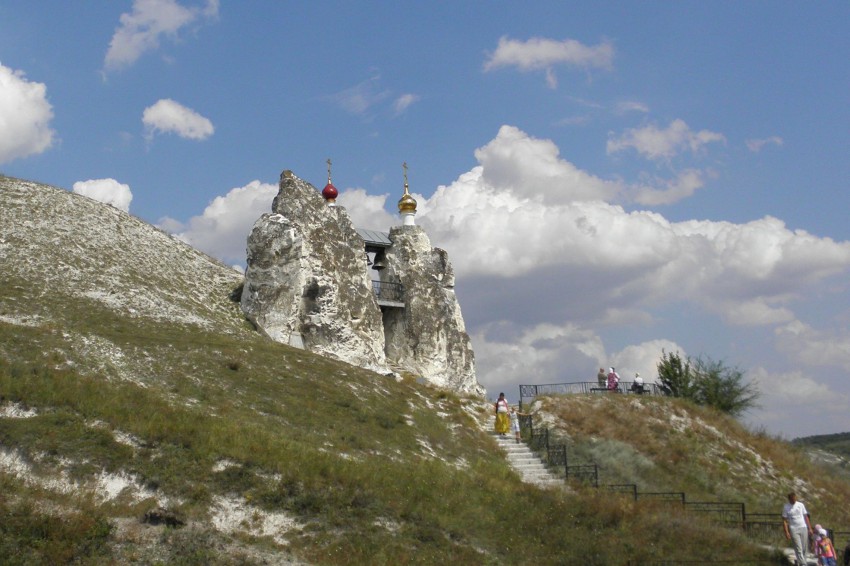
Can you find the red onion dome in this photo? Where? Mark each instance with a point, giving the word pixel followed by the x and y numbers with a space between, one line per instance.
pixel 330 193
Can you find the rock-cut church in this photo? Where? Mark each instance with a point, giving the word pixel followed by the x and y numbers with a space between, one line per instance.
pixel 379 300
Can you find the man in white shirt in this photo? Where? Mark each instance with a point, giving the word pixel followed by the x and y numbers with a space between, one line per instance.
pixel 795 520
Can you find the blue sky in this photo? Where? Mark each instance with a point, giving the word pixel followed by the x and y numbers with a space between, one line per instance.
pixel 609 179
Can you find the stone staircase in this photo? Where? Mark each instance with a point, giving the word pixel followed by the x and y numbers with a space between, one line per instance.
pixel 530 468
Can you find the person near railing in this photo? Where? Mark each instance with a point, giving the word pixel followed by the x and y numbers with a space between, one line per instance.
pixel 798 529
pixel 613 380
pixel 601 377
pixel 637 385
pixel 503 423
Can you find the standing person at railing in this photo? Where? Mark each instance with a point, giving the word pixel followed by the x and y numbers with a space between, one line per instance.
pixel 798 529
pixel 503 422
pixel 847 554
pixel 613 380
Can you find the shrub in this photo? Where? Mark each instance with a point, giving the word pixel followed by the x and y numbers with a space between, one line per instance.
pixel 707 382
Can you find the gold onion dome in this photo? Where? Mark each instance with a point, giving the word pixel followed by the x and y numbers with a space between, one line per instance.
pixel 406 203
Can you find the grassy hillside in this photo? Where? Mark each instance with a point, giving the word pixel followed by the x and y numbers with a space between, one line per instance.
pixel 143 421
pixel 665 444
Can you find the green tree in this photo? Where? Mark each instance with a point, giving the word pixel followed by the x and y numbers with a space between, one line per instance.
pixel 723 387
pixel 676 375
pixel 707 382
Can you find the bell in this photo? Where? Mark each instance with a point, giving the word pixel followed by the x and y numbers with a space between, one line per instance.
pixel 380 261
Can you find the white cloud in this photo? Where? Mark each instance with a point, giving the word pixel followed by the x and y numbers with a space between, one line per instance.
pixel 524 167
pixel 222 229
pixel 167 115
pixel 671 190
pixel 756 145
pixel 108 191
pixel 813 347
pixel 642 358
pixel 524 215
pixel 142 29
pixel 654 143
pixel 25 116
pixel 545 353
pixel 788 398
pixel 404 101
pixel 541 53
pixel 367 211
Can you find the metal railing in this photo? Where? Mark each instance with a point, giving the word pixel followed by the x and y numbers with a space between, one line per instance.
pixel 728 513
pixel 556 454
pixel 387 291
pixel 528 392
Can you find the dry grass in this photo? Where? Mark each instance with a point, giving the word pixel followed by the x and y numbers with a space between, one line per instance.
pixel 673 445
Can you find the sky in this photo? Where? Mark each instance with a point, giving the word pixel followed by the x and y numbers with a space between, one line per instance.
pixel 610 179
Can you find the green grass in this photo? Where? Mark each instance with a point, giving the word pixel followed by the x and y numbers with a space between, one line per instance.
pixel 373 470
pixel 347 465
pixel 664 444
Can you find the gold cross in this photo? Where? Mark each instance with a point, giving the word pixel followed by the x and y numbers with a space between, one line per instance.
pixel 329 170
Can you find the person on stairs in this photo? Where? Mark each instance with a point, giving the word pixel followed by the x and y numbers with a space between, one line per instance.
pixel 515 415
pixel 503 422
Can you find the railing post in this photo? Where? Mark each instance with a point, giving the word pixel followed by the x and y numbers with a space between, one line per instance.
pixel 566 464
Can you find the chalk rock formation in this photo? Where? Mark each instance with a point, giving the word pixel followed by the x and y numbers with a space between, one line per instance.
pixel 306 283
pixel 428 336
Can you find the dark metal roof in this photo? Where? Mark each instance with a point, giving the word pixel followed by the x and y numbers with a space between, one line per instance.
pixel 374 238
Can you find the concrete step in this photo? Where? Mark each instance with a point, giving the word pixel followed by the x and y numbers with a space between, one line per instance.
pixel 526 463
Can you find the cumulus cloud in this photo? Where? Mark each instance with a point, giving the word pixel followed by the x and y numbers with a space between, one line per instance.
pixel 151 20
pixel 25 116
pixel 756 145
pixel 526 217
pixel 509 355
pixel 108 191
pixel 167 116
pixel 222 229
pixel 368 211
pixel 654 143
